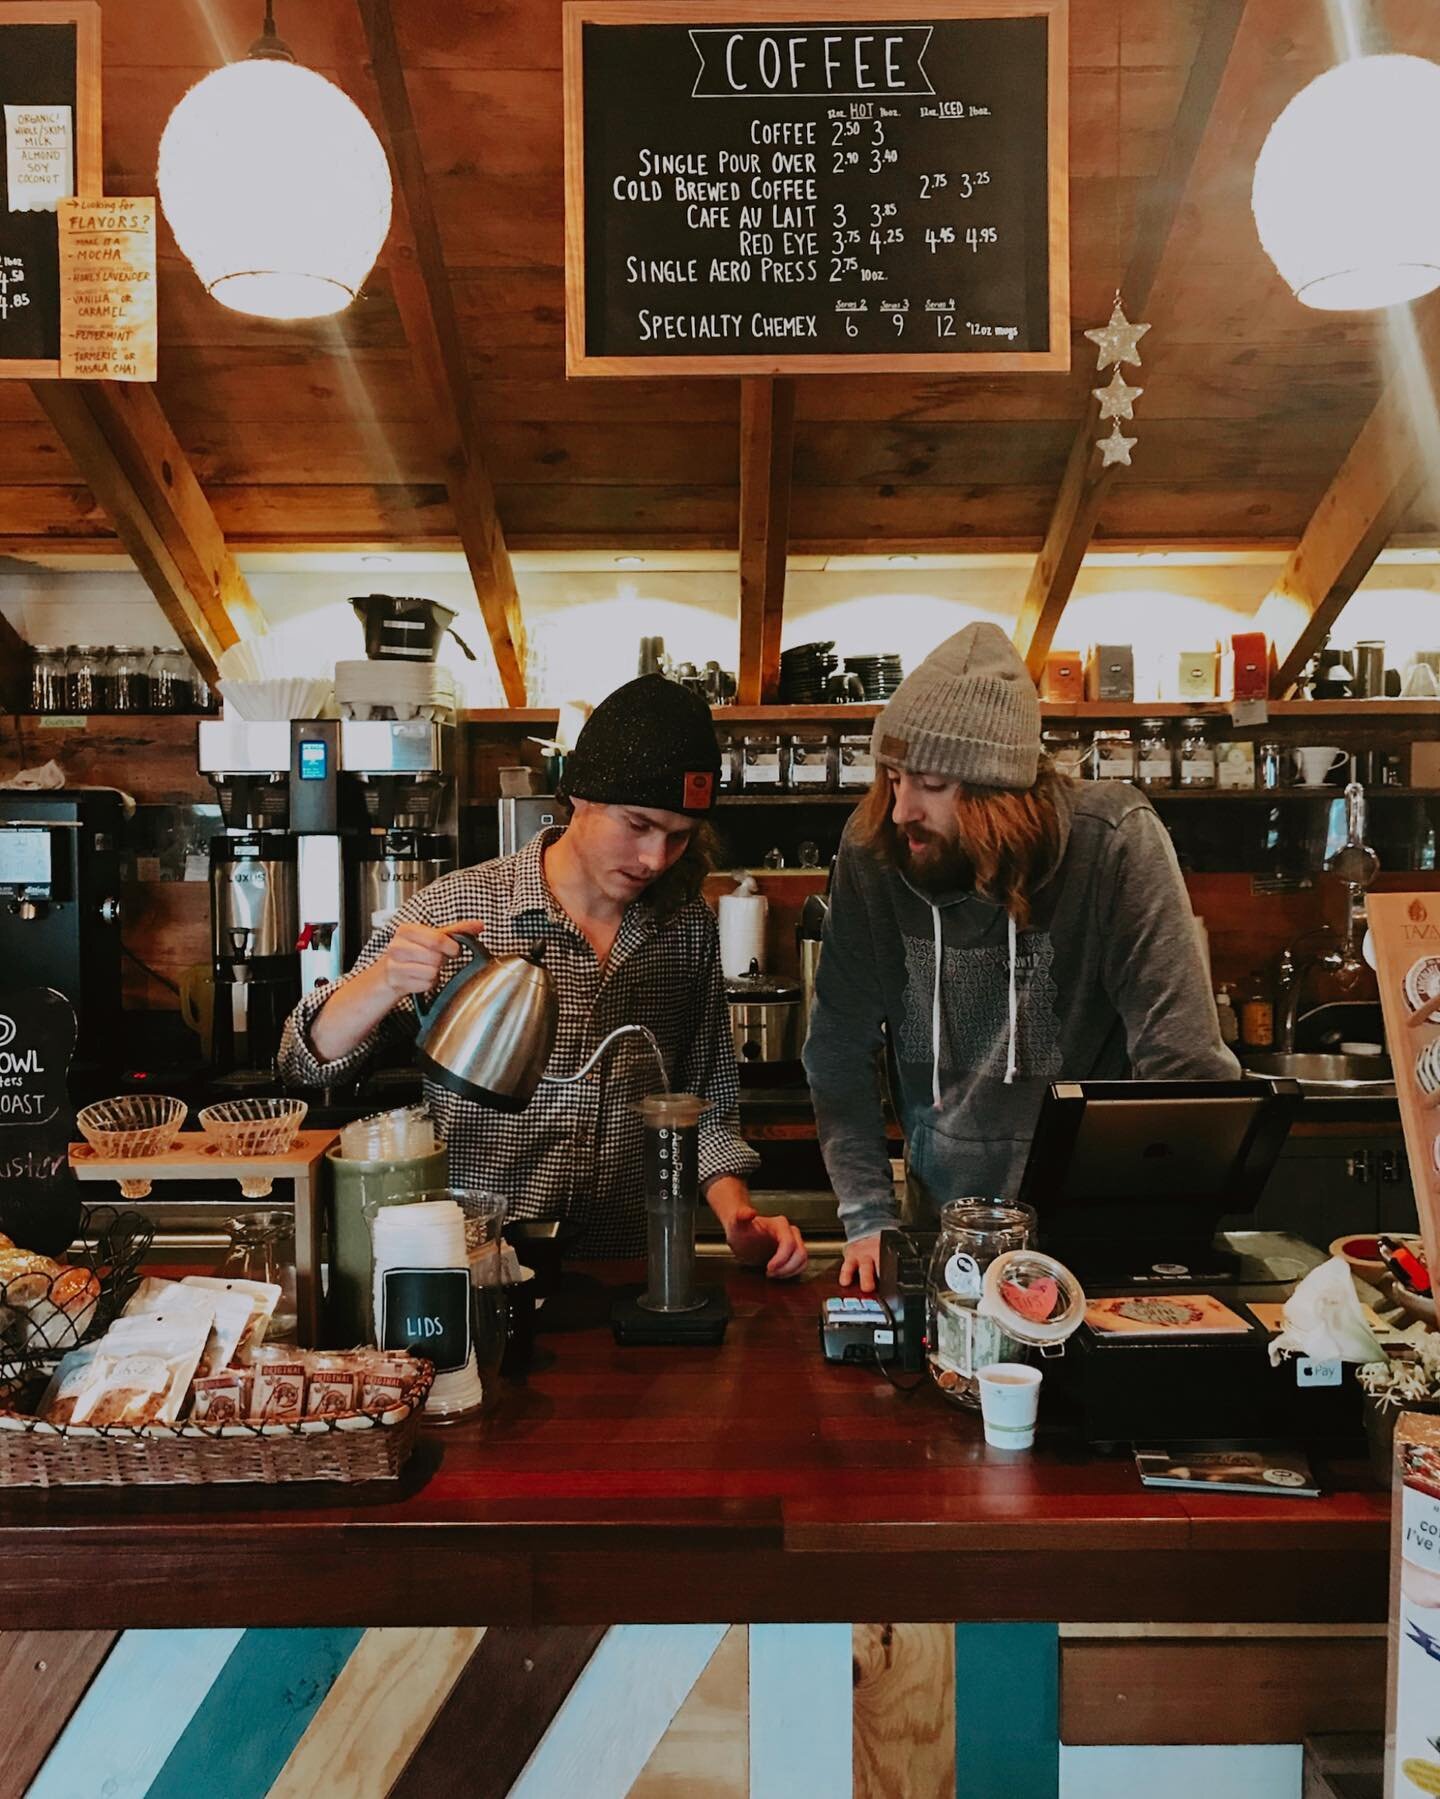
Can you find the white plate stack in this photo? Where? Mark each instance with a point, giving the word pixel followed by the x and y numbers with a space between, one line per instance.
pixel 366 689
pixel 428 1235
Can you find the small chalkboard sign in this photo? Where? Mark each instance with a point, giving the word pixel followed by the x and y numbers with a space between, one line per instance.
pixel 427 1311
pixel 49 148
pixel 39 1195
pixel 805 188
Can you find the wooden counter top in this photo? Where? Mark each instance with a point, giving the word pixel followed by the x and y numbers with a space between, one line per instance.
pixel 750 1483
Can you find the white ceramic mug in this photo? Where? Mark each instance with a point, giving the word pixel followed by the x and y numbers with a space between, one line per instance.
pixel 1009 1403
pixel 1312 765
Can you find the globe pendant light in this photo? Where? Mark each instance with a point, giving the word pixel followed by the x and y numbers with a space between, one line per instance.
pixel 275 185
pixel 1345 196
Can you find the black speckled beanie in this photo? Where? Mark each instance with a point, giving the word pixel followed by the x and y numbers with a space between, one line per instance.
pixel 650 743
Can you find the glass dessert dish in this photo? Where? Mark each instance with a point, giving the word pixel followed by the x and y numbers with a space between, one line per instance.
pixel 254 1127
pixel 131 1127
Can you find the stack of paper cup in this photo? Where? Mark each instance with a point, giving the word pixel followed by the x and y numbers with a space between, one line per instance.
pixel 428 1235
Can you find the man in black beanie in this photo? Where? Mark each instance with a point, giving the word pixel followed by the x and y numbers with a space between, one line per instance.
pixel 615 899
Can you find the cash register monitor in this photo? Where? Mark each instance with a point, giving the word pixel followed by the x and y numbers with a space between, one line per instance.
pixel 1129 1179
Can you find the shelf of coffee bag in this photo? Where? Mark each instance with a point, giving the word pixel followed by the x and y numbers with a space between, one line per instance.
pixel 1375 712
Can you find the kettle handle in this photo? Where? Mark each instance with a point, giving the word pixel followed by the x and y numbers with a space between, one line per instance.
pixel 474 954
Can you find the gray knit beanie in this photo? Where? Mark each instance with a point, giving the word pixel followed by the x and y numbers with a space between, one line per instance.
pixel 969 713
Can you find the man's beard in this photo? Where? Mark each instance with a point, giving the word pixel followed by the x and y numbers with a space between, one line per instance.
pixel 937 867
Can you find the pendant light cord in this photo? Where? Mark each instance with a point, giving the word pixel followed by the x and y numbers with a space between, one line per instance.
pixel 270 43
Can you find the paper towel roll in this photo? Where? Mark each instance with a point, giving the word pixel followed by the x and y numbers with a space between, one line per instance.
pixel 742 932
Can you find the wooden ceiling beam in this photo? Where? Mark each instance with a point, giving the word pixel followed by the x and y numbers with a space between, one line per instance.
pixel 1085 484
pixel 426 306
pixel 1380 479
pixel 767 454
pixel 121 443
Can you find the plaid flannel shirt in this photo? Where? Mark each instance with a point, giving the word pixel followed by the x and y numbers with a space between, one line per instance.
pixel 575 1151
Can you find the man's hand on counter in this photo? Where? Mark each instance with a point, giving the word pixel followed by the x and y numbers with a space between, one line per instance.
pixel 862 1258
pixel 755 1238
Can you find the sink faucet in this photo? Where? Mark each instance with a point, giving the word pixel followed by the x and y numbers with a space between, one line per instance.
pixel 1357 865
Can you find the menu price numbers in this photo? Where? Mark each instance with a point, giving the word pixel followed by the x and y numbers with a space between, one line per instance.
pixel 967 183
pixel 936 235
pixel 979 237
pixel 13 294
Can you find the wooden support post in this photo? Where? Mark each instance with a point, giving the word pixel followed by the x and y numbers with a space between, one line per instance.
pixel 14 669
pixel 427 312
pixel 767 448
pixel 124 449
pixel 1085 484
pixel 1388 464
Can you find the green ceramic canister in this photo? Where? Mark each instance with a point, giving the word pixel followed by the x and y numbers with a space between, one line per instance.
pixel 357 1191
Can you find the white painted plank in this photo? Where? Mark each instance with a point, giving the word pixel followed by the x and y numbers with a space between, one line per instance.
pixel 801 1724
pixel 133 1714
pixel 618 1710
pixel 1238 1771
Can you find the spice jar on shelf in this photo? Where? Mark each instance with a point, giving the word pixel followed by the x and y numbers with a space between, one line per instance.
pixel 1196 755
pixel 87 678
pixel 49 689
pixel 1154 767
pixel 129 678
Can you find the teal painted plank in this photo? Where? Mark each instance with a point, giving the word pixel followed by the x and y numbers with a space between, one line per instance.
pixel 1007 1711
pixel 623 1703
pixel 256 1712
pixel 133 1713
pixel 1211 1771
pixel 802 1683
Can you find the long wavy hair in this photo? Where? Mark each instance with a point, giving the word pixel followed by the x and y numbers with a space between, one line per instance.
pixel 682 883
pixel 1010 842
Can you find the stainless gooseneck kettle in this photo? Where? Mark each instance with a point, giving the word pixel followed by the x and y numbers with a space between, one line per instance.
pixel 489 1032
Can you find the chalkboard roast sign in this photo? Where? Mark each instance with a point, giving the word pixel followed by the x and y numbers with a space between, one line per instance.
pixel 808 188
pixel 49 148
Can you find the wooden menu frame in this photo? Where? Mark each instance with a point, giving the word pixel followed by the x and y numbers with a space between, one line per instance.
pixel 1404 930
pixel 579 13
pixel 84 15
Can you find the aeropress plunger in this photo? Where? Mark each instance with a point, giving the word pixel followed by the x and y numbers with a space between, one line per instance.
pixel 670 1310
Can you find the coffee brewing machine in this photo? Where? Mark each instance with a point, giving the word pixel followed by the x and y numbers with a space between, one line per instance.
pixel 330 826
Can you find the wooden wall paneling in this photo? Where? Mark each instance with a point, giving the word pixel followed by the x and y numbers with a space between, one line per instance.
pixel 134 1712
pixel 498 1710
pixel 1268 1690
pixel 376 1714
pixel 705 1754
pixel 427 309
pixel 904 1725
pixel 1387 467
pixel 124 448
pixel 260 1705
pixel 767 445
pixel 801 1729
pixel 1086 484
pixel 43 1676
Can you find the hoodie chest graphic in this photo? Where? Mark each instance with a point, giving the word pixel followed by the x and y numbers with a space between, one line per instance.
pixel 975 1007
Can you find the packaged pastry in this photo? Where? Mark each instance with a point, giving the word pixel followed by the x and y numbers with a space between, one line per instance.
pixel 333 1389
pixel 386 1379
pixel 142 1371
pixel 262 1295
pixel 278 1395
pixel 221 1398
pixel 67 1383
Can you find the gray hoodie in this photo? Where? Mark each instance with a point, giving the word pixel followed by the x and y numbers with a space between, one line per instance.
pixel 1107 982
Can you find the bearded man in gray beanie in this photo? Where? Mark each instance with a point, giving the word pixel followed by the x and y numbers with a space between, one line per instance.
pixel 998 927
pixel 614 903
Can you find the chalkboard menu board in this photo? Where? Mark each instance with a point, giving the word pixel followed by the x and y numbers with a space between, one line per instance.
pixel 804 188
pixel 49 148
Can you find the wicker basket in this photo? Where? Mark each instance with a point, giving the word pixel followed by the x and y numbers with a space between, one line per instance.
pixel 35 1454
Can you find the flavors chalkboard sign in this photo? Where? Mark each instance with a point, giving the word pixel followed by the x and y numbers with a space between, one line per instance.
pixel 799 189
pixel 49 149
pixel 39 1196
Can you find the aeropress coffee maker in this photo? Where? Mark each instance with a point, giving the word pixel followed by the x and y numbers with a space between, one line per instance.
pixel 488 1035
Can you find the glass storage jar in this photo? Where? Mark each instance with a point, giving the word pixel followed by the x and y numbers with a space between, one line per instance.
pixel 129 678
pixel 1196 754
pixel 1113 755
pixel 808 762
pixel 87 679
pixel 171 684
pixel 49 689
pixel 972 1233
pixel 262 1248
pixel 760 762
pixel 1153 765
pixel 856 763
pixel 1065 746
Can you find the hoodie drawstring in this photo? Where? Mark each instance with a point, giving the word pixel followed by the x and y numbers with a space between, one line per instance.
pixel 1012 1059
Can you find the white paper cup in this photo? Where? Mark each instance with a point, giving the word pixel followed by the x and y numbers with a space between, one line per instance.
pixel 1009 1401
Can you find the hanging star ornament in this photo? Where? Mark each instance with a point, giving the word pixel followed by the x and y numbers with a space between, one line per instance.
pixel 1117 399
pixel 1117 341
pixel 1115 448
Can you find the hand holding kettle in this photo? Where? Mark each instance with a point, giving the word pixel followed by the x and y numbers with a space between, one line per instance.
pixel 416 955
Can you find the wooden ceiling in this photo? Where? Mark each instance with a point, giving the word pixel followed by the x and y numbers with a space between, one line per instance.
pixel 338 433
